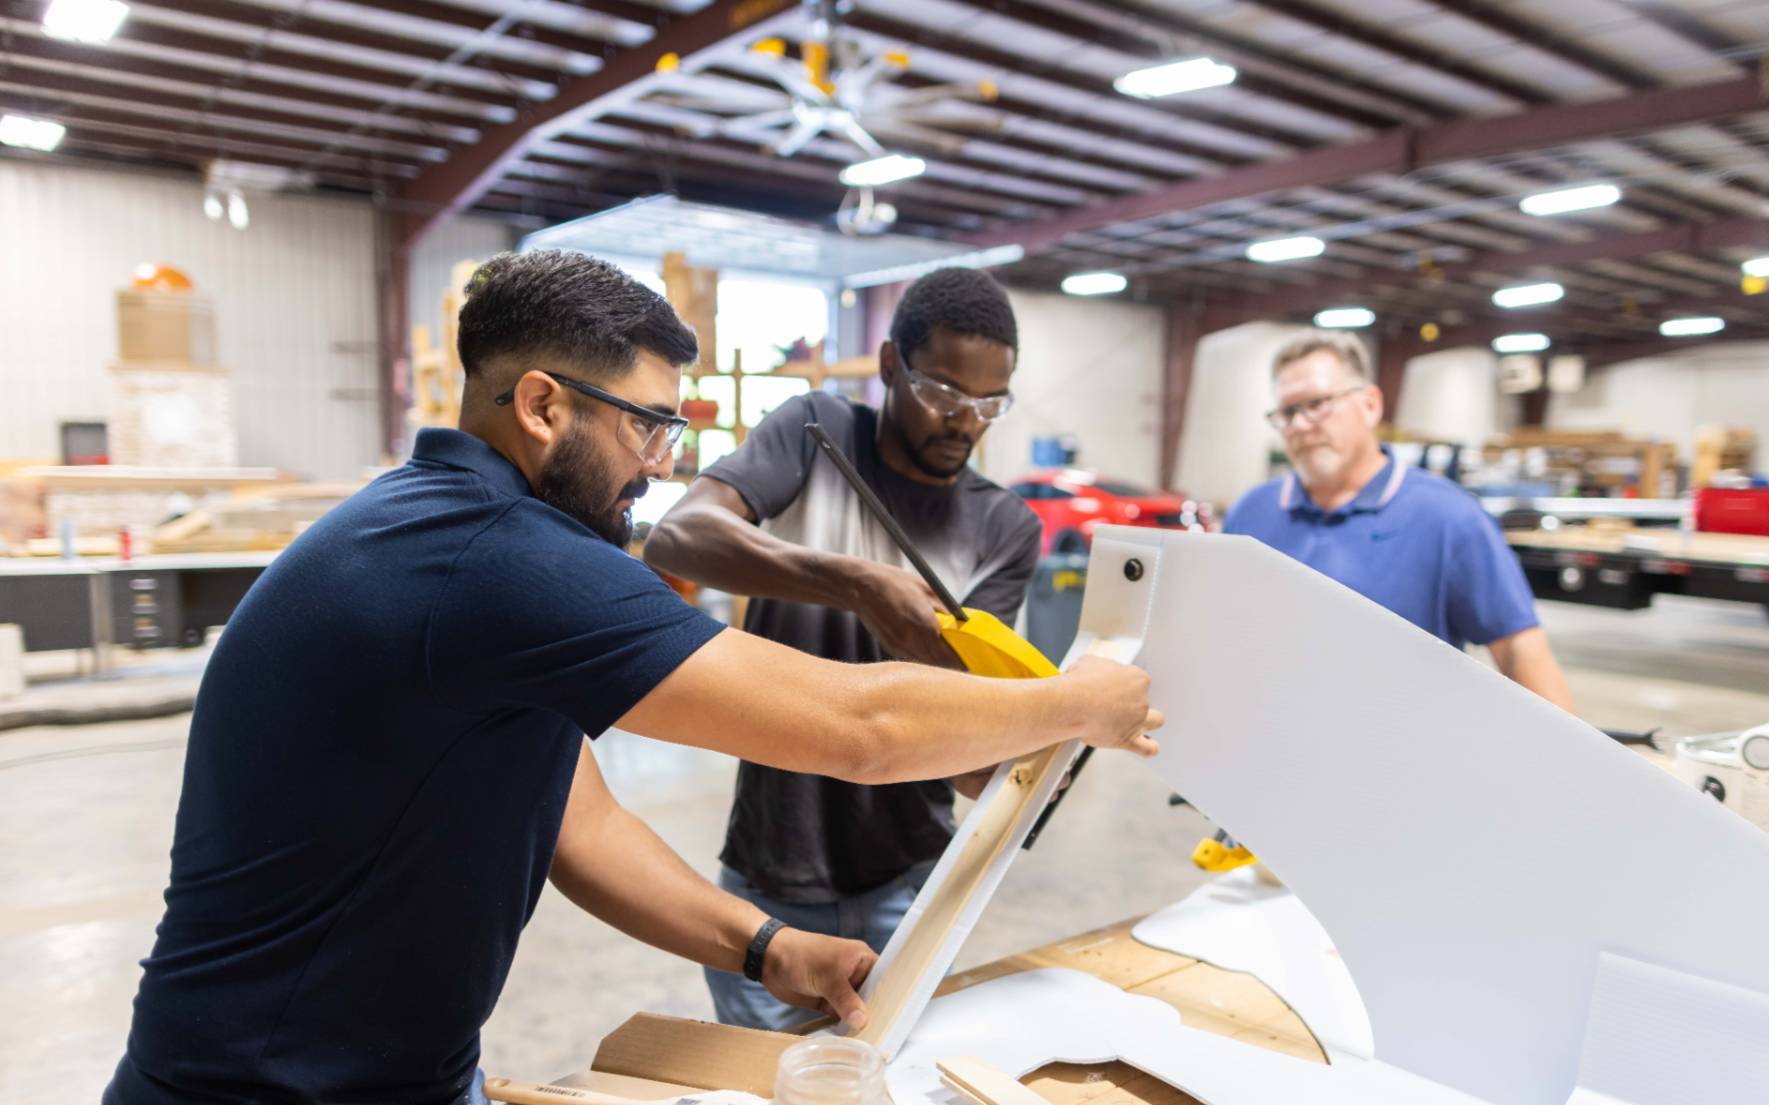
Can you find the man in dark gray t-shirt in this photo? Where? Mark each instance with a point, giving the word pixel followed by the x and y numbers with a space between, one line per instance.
pixel 776 521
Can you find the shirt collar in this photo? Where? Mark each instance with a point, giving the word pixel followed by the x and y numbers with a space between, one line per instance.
pixel 457 449
pixel 1375 495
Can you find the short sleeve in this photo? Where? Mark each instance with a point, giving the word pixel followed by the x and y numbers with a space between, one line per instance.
pixel 539 612
pixel 770 467
pixel 1002 589
pixel 1489 598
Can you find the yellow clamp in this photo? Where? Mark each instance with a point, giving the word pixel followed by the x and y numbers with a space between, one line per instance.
pixel 1214 855
pixel 988 647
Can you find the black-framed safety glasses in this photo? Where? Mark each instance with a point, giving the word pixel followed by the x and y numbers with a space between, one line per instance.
pixel 1311 409
pixel 655 434
pixel 948 402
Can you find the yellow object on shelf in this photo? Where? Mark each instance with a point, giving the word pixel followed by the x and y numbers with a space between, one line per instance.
pixel 990 648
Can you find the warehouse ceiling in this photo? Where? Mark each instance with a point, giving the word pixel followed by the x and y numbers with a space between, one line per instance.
pixel 1402 133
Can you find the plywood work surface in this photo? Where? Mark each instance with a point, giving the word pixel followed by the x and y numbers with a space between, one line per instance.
pixel 690 1054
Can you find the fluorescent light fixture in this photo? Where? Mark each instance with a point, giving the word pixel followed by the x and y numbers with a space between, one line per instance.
pixel 1520 343
pixel 30 134
pixel 1756 266
pixel 1344 318
pixel 888 169
pixel 1691 327
pixel 1528 295
pixel 1174 77
pixel 980 259
pixel 1564 200
pixel 1095 283
pixel 1285 249
pixel 90 21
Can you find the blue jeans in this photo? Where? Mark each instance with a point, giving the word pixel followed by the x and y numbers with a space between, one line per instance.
pixel 871 917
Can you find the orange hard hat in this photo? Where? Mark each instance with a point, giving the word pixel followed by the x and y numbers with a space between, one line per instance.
pixel 152 277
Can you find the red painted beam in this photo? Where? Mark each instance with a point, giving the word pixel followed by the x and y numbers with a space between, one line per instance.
pixel 1402 150
pixel 470 173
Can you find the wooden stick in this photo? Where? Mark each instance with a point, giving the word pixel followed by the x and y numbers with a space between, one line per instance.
pixel 984 1083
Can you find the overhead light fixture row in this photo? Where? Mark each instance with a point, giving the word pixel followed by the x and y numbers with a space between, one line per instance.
pixel 90 21
pixel 880 171
pixel 1520 343
pixel 1285 249
pixel 1528 295
pixel 1095 283
pixel 1175 77
pixel 26 133
pixel 1344 318
pixel 1756 266
pixel 1691 327
pixel 1563 201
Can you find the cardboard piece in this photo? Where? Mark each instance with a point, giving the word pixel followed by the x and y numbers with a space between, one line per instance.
pixel 1240 922
pixel 1373 768
pixel 697 1054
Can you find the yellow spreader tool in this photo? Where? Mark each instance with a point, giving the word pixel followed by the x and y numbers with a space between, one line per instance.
pixel 984 645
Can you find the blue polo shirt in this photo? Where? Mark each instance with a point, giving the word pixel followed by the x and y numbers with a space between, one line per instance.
pixel 379 759
pixel 1412 541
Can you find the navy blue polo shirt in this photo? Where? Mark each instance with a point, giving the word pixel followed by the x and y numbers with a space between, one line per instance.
pixel 379 760
pixel 1412 541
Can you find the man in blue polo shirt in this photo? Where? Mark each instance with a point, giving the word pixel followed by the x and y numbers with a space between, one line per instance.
pixel 1403 537
pixel 387 756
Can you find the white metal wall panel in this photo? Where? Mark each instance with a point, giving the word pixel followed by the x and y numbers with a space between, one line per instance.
pixel 294 302
pixel 458 239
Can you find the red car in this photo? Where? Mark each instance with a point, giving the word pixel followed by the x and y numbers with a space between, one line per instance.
pixel 1070 502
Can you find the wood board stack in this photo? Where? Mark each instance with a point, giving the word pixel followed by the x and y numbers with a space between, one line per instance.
pixel 171 404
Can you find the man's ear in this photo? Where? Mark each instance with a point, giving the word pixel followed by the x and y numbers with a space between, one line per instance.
pixel 887 363
pixel 541 407
pixel 1377 405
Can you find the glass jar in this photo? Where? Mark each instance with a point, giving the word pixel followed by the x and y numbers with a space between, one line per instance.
pixel 831 1071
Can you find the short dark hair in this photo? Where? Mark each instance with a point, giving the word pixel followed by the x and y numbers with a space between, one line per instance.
pixel 964 301
pixel 569 305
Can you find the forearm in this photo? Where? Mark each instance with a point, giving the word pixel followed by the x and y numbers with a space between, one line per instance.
pixel 926 723
pixel 715 548
pixel 632 880
pixel 1526 659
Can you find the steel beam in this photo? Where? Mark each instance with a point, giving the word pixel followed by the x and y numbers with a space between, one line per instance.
pixel 458 182
pixel 1403 150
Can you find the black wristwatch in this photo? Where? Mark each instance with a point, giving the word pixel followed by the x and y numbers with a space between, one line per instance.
pixel 758 948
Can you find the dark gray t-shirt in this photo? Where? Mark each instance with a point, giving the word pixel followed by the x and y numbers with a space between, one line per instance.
pixel 806 838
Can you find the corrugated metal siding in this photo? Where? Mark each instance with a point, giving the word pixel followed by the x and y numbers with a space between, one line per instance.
pixel 294 302
pixel 460 239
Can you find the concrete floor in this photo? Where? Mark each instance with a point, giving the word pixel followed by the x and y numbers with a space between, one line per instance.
pixel 86 817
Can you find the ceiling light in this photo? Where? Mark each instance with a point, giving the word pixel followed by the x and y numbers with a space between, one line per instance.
pixel 1344 318
pixel 237 215
pixel 1756 266
pixel 90 21
pixel 30 134
pixel 888 169
pixel 212 205
pixel 1174 77
pixel 1691 327
pixel 1520 343
pixel 1564 200
pixel 1285 249
pixel 1095 283
pixel 1528 295
pixel 980 259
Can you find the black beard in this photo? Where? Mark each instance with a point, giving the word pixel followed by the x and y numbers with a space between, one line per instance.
pixel 934 469
pixel 576 481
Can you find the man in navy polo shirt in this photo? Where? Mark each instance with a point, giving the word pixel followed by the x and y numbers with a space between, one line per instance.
pixel 387 755
pixel 1410 540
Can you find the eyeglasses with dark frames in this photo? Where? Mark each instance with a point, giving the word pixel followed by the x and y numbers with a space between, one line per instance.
pixel 656 440
pixel 1312 409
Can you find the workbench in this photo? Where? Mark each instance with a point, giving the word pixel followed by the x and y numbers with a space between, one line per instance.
pixel 1625 568
pixel 145 602
pixel 1208 998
